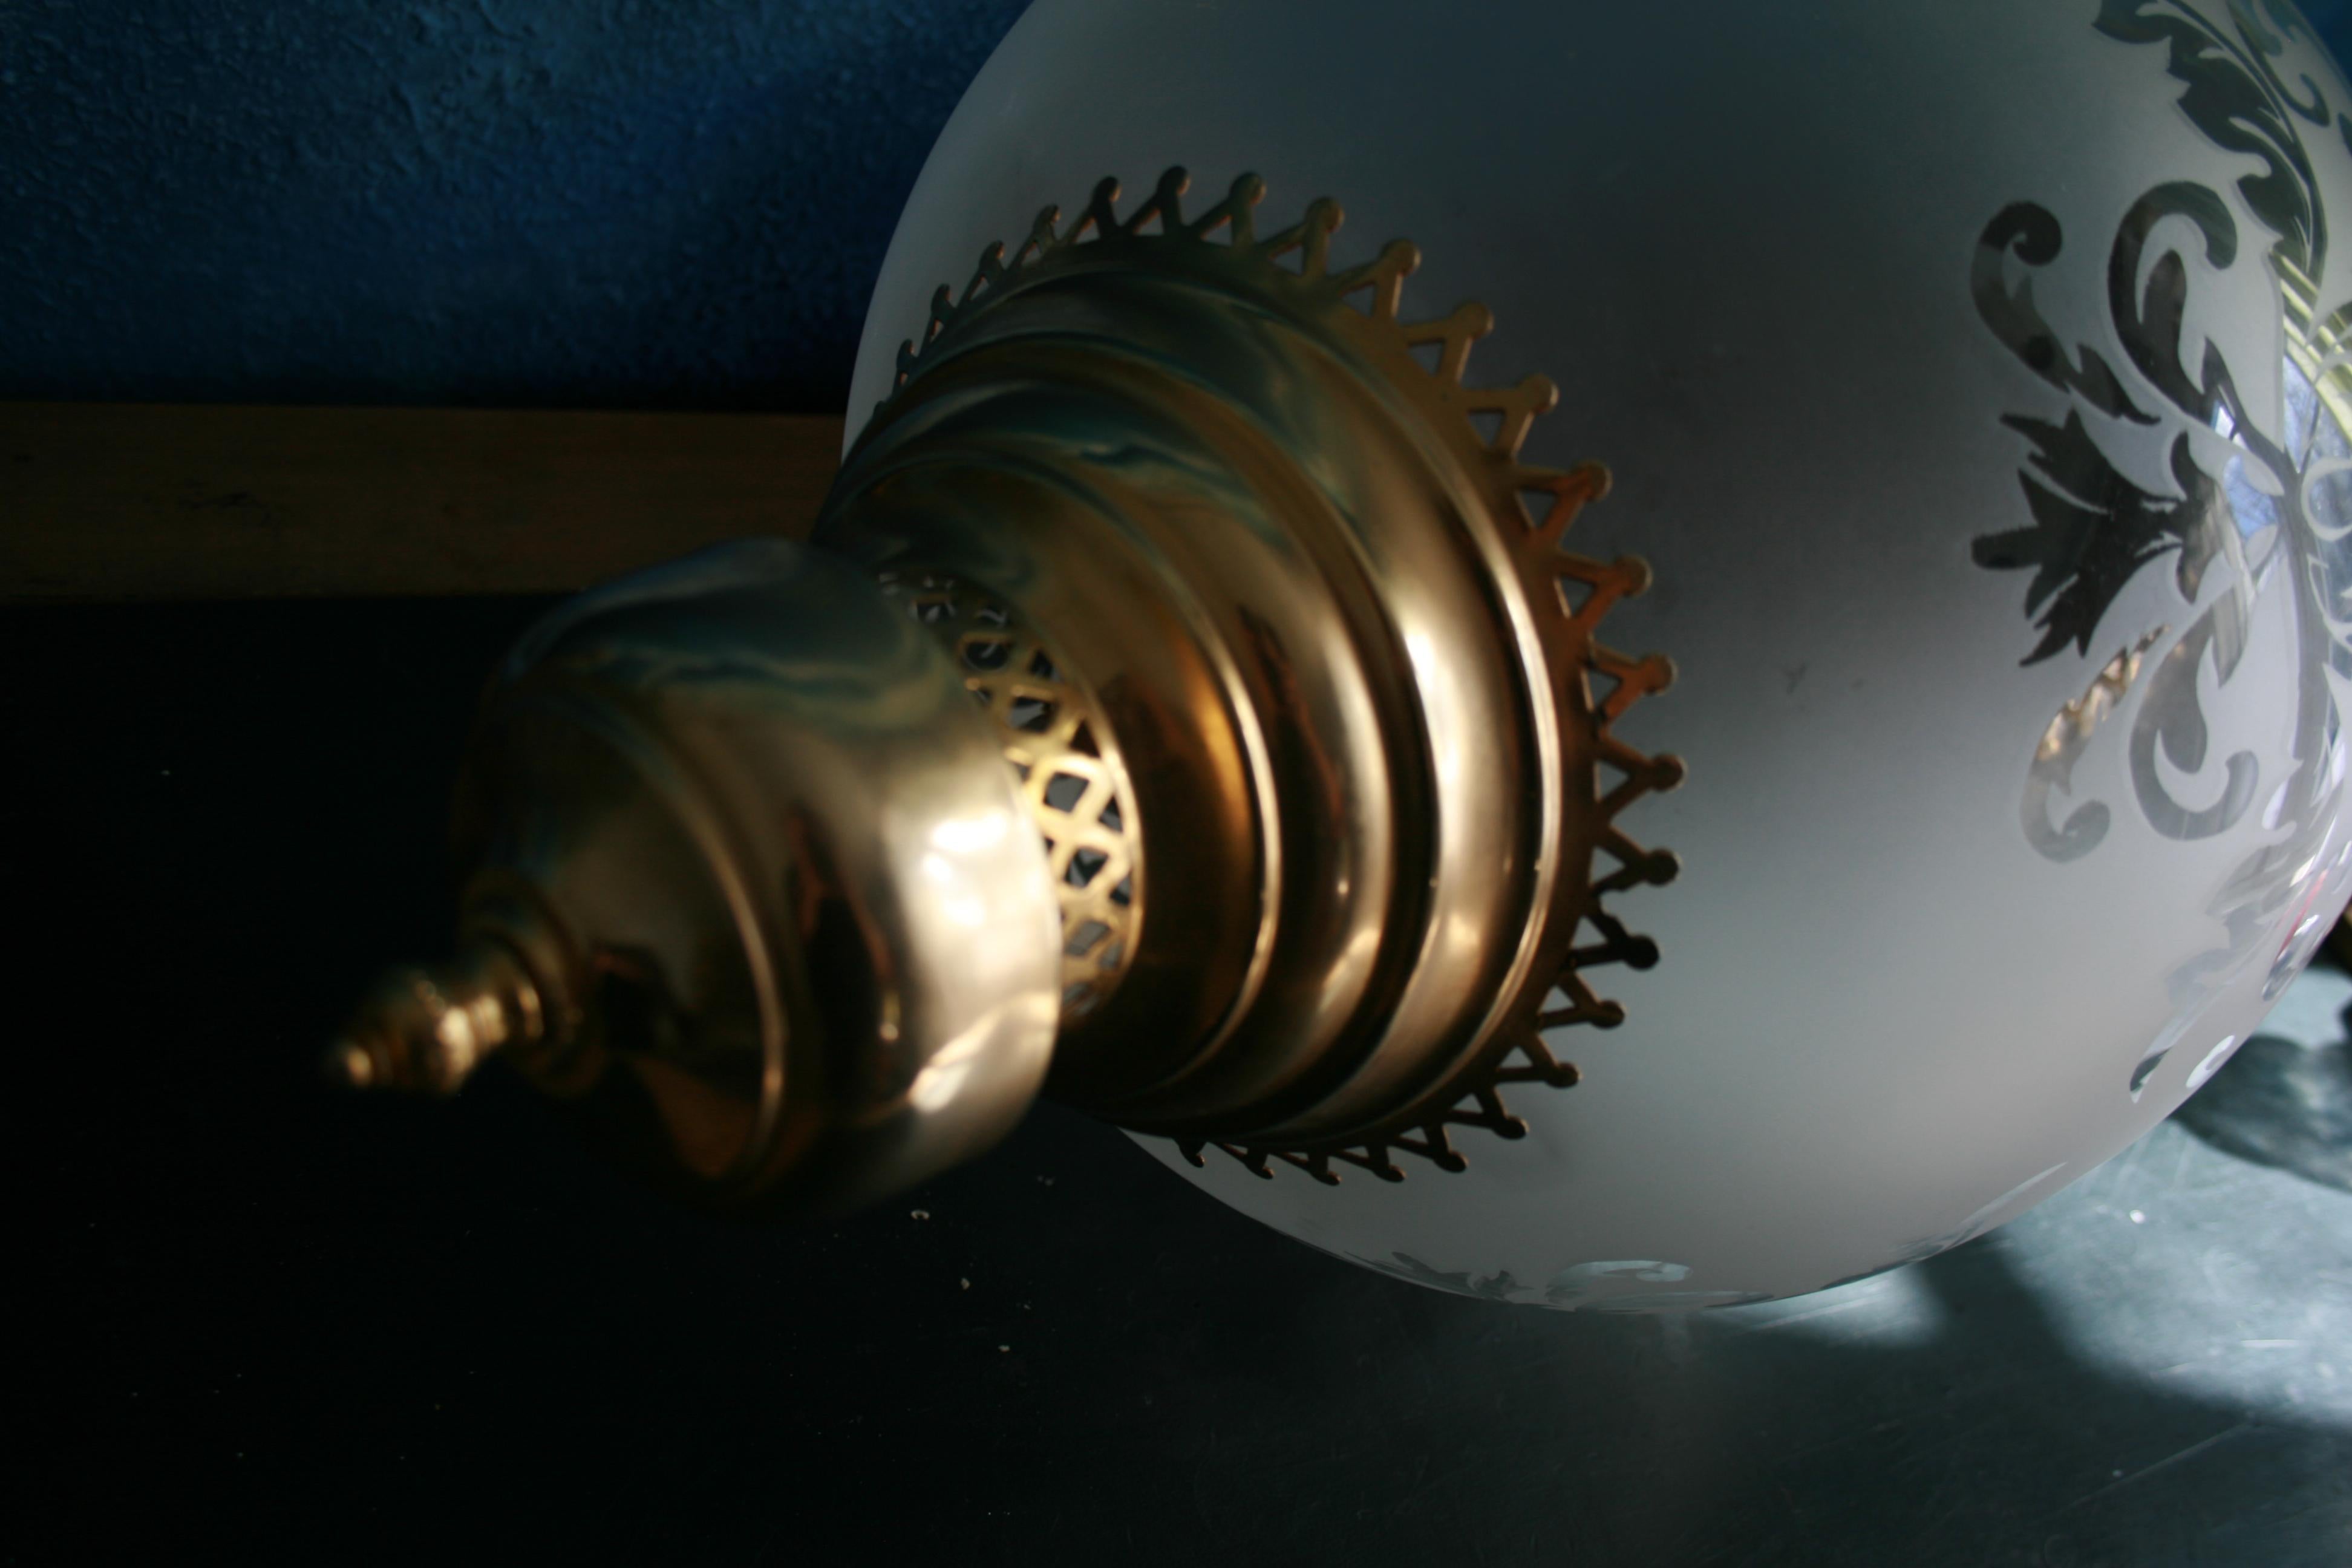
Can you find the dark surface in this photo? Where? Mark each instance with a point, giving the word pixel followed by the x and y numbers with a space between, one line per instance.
pixel 259 1322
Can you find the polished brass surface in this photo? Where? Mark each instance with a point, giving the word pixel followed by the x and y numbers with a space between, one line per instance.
pixel 2318 347
pixel 1167 554
pixel 427 1029
pixel 1061 750
pixel 1314 584
pixel 779 868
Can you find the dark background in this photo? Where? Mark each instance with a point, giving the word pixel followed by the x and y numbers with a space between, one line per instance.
pixel 258 1322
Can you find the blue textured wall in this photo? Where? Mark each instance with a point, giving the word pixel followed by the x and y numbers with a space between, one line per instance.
pixel 547 202
pixel 621 202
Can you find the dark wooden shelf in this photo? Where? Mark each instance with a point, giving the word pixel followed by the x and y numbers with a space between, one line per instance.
pixel 115 502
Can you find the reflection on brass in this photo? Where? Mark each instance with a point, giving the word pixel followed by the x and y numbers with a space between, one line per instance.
pixel 1251 588
pixel 428 1028
pixel 2255 494
pixel 1068 765
pixel 1304 412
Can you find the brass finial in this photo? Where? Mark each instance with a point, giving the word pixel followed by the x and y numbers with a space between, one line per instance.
pixel 426 1029
pixel 750 890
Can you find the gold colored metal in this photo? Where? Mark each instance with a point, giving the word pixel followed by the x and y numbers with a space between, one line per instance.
pixel 2070 728
pixel 1069 772
pixel 1431 862
pixel 793 934
pixel 427 1030
pixel 2319 347
pixel 1254 592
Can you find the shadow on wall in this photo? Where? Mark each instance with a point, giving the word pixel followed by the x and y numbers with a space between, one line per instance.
pixel 495 202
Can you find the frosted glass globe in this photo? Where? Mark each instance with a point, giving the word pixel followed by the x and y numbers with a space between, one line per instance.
pixel 1971 378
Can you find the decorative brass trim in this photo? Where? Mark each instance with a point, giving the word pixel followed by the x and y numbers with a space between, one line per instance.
pixel 1244 590
pixel 1067 763
pixel 748 891
pixel 1591 774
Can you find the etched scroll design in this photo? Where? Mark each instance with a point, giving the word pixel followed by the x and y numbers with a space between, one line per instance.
pixel 2253 502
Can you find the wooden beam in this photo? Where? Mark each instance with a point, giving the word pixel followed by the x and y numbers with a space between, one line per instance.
pixel 109 501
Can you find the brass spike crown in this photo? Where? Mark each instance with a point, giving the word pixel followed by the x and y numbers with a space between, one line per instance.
pixel 1187 706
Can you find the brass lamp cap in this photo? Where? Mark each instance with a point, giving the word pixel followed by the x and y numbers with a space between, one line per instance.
pixel 1168 569
pixel 752 893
